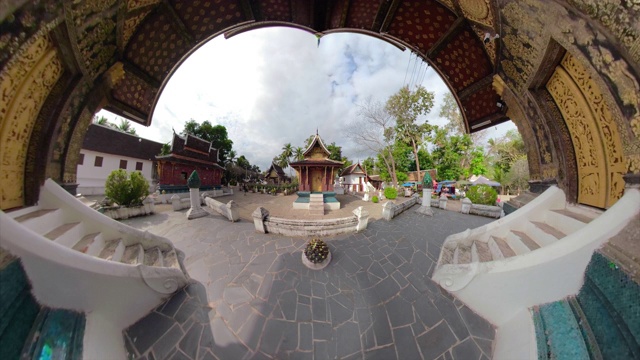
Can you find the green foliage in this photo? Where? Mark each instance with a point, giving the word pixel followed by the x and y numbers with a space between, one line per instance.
pixel 482 194
pixel 478 162
pixel 369 165
pixel 390 193
pixel 316 251
pixel 126 189
pixel 449 154
pixel 375 199
pixel 165 149
pixel 402 177
pixel 406 106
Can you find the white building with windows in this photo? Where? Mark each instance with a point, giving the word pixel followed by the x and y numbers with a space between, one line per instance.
pixel 355 178
pixel 105 149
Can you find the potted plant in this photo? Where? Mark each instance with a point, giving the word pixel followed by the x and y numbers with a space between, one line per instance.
pixel 316 254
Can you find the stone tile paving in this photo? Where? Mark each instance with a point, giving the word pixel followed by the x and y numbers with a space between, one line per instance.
pixel 253 298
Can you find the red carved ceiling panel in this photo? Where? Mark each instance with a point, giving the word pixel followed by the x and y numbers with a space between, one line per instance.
pixel 156 47
pixel 337 9
pixel 481 103
pixel 275 10
pixel 205 18
pixel 362 14
pixel 421 23
pixel 463 60
pixel 135 93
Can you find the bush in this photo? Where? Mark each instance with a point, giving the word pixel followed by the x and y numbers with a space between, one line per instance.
pixel 482 194
pixel 374 199
pixel 390 193
pixel 126 190
pixel 316 251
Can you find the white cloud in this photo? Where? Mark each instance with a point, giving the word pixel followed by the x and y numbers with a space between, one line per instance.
pixel 274 86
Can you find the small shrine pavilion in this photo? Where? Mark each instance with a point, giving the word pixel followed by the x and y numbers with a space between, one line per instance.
pixel 316 171
pixel 189 153
pixel 275 174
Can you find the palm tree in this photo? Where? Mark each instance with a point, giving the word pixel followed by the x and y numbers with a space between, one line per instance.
pixel 126 127
pixel 287 153
pixel 101 121
pixel 298 153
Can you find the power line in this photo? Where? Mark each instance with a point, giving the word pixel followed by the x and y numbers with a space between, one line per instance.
pixel 407 70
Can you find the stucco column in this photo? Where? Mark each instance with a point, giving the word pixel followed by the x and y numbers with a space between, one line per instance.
pixel 196 210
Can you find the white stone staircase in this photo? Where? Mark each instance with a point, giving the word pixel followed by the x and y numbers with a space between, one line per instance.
pixel 79 259
pixel 536 255
pixel 530 235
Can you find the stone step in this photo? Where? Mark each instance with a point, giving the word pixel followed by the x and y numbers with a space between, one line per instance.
pixel 113 250
pixel 566 221
pixel 133 255
pixel 520 242
pixel 153 257
pixel 543 233
pixel 504 247
pixel 464 255
pixel 170 259
pixel 84 243
pixel 447 256
pixel 549 229
pixel 562 338
pixel 42 221
pixel 55 331
pixel 482 250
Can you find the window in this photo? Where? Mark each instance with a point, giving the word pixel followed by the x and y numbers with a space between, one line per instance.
pixel 81 159
pixel 98 162
pixel 123 164
pixel 138 165
pixel 184 175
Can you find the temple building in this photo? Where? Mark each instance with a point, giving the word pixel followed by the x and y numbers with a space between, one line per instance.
pixel 316 171
pixel 275 175
pixel 354 177
pixel 189 153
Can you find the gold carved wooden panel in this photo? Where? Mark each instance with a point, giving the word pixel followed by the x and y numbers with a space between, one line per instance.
pixel 25 84
pixel 593 132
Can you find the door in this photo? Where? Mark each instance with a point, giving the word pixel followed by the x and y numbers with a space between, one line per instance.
pixel 316 180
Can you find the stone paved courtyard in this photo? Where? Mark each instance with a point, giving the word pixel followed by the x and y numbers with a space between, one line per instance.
pixel 253 298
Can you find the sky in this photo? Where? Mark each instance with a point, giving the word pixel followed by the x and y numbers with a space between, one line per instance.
pixel 274 86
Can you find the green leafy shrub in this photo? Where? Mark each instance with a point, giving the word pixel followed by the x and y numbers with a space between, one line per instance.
pixel 375 199
pixel 316 251
pixel 126 189
pixel 482 194
pixel 390 193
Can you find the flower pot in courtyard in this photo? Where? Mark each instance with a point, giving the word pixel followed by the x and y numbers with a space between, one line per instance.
pixel 316 255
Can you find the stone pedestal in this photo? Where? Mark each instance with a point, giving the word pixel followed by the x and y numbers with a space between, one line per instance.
pixel 259 216
pixel 425 207
pixel 363 218
pixel 443 202
pixel 196 211
pixel 466 206
pixel 175 203
pixel 387 210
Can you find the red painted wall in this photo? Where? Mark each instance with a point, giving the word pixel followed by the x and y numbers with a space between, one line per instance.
pixel 171 174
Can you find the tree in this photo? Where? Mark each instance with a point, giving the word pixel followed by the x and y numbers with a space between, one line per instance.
pixel 504 153
pixel 243 162
pixel 126 127
pixel 369 165
pixel 165 149
pixel 478 162
pixel 374 131
pixel 101 121
pixel 217 135
pixel 298 153
pixel 450 111
pixel 287 153
pixel 448 154
pixel 406 106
